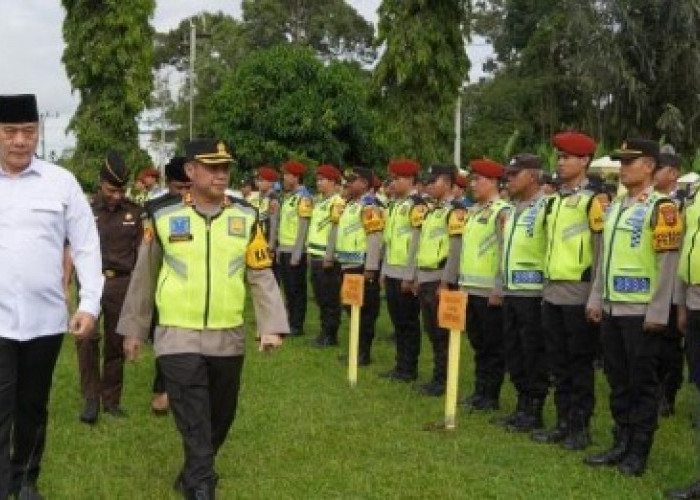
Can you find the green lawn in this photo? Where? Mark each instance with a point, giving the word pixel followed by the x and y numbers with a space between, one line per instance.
pixel 301 432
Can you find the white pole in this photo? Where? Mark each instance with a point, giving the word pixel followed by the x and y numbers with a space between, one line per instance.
pixel 193 48
pixel 458 131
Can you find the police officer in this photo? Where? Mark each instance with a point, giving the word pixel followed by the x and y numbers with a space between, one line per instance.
pixel 574 224
pixel 479 258
pixel 119 226
pixel 401 237
pixel 295 212
pixel 522 268
pixel 440 234
pixel 641 237
pixel 325 272
pixel 358 249
pixel 269 204
pixel 671 355
pixel 200 251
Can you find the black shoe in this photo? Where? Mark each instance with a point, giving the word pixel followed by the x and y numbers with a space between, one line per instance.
pixel 507 420
pixel 485 404
pixel 205 491
pixel 554 435
pixel 397 375
pixel 531 419
pixel 689 493
pixel 577 440
pixel 90 411
pixel 321 342
pixel 471 400
pixel 614 455
pixel 29 492
pixel 432 389
pixel 179 484
pixel 115 411
pixel 634 464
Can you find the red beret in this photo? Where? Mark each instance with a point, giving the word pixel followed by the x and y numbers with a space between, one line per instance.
pixel 329 172
pixel 268 173
pixel 574 143
pixel 487 168
pixel 404 168
pixel 294 167
pixel 148 172
pixel 461 180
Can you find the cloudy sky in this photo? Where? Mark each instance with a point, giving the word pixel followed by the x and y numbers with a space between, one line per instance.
pixel 31 45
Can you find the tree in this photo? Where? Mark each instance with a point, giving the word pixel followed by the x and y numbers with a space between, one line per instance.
pixel 331 27
pixel 108 59
pixel 420 73
pixel 284 103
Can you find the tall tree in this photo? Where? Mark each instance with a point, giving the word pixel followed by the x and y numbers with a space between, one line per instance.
pixel 108 58
pixel 420 73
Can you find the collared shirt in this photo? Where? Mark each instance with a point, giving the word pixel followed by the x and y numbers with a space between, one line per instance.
pixel 41 209
pixel 120 229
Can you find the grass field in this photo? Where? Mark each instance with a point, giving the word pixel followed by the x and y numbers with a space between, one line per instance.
pixel 302 433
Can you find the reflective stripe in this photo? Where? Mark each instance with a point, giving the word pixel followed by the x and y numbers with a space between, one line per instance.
pixel 314 246
pixel 571 231
pixel 477 281
pixel 437 232
pixel 403 230
pixel 177 265
pixel 235 265
pixel 488 242
pixel 351 228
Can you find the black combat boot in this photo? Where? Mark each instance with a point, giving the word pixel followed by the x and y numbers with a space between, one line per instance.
pixel 689 493
pixel 90 411
pixel 579 437
pixel 635 462
pixel 477 395
pixel 532 418
pixel 204 491
pixel 518 413
pixel 614 455
pixel 555 435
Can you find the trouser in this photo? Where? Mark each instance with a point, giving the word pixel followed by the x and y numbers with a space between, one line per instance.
pixel 692 347
pixel 571 349
pixel 631 361
pixel 404 311
pixel 294 284
pixel 671 358
pixel 203 394
pixel 439 337
pixel 485 333
pixel 369 312
pixel 326 286
pixel 524 346
pixel 26 372
pixel 108 386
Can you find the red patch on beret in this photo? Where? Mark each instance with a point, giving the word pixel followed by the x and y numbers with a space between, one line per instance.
pixel 574 143
pixel 294 167
pixel 487 168
pixel 268 173
pixel 148 172
pixel 329 172
pixel 404 167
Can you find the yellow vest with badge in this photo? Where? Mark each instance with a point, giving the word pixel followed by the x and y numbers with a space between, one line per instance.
pixel 478 265
pixel 571 222
pixel 525 245
pixel 359 218
pixel 201 281
pixel 689 261
pixel 325 213
pixel 295 206
pixel 439 224
pixel 631 239
pixel 404 217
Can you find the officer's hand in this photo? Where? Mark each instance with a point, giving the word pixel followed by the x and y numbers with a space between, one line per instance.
pixel 82 324
pixel 594 314
pixel 682 317
pixel 406 286
pixel 495 300
pixel 653 327
pixel 132 348
pixel 270 342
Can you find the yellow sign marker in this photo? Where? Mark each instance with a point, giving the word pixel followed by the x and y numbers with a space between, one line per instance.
pixel 352 294
pixel 452 313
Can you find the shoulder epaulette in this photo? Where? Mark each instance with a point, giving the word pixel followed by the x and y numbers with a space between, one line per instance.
pixel 155 204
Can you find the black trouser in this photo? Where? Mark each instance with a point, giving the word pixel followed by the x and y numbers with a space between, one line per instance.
pixel 26 373
pixel 404 310
pixel 692 346
pixel 369 312
pixel 571 350
pixel 326 286
pixel 439 337
pixel 523 337
pixel 671 358
pixel 485 332
pixel 203 394
pixel 631 361
pixel 294 284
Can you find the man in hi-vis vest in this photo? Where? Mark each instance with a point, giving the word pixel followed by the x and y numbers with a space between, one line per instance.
pixel 479 257
pixel 574 225
pixel 522 267
pixel 295 212
pixel 320 245
pixel 200 254
pixel 358 249
pixel 401 237
pixel 632 298
pixel 441 231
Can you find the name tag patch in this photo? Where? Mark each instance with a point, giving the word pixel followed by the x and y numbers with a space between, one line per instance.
pixel 631 284
pixel 236 226
pixel 527 277
pixel 179 229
